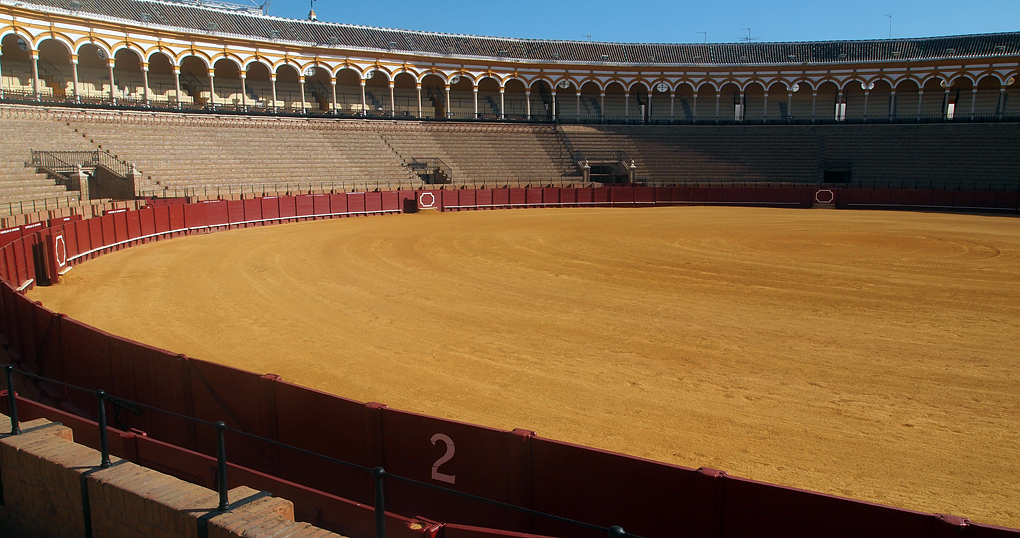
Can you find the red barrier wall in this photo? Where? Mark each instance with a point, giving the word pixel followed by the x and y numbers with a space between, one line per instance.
pixel 356 202
pixel 646 498
pixel 304 205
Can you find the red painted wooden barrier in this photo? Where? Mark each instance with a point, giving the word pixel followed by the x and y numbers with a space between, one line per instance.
pixel 338 203
pixel 608 489
pixel 373 202
pixel 356 202
pixel 288 207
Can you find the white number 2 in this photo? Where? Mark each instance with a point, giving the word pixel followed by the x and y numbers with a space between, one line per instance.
pixel 436 475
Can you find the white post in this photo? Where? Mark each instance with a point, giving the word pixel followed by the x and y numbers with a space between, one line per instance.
pixel 74 71
pixel 1001 105
pixel 449 104
pixel 920 96
pixel 35 74
pixel 672 101
pixel 1 84
pixel 892 104
pixel 554 104
pixel 364 102
pixel 301 87
pixel 694 107
pixel 332 87
pixel 718 97
pixel 602 103
pixel 577 115
pixel 272 82
pixel 212 87
pixel 393 102
pixel 814 104
pixel 527 104
pixel 475 91
pixel 177 84
pixel 244 92
pixel 973 102
pixel 626 106
pixel 945 106
pixel 145 83
pixel 867 93
pixel 765 108
pixel 113 97
pixel 649 107
pixel 418 86
pixel 502 103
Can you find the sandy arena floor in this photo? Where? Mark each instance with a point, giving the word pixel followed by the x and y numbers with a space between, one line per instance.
pixel 872 355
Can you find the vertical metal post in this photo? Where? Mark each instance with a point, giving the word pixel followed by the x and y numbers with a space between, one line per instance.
pixel 12 403
pixel 221 467
pixel 380 503
pixel 104 443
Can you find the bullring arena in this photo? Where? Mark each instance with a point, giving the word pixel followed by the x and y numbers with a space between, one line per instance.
pixel 724 290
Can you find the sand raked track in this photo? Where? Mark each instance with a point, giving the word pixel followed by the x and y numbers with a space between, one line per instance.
pixel 872 355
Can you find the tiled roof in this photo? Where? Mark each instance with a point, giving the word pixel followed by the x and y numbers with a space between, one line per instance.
pixel 193 17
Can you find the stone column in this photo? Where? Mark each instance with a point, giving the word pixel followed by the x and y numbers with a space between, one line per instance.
pixel 393 102
pixel 765 108
pixel 113 88
pixel 301 88
pixel 272 83
pixel 502 103
pixel 672 102
pixel 973 102
pixel 212 87
pixel 244 92
pixel 364 102
pixel 527 103
pixel 626 106
pixel 554 104
pixel 74 72
pixel 814 104
pixel 417 86
pixel 145 83
pixel 332 87
pixel 718 97
pixel 177 84
pixel 920 96
pixel 35 74
pixel 867 93
pixel 475 91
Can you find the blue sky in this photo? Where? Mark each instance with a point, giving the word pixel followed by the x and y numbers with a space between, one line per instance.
pixel 653 21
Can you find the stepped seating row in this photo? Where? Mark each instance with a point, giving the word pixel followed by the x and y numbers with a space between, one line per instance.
pixel 903 156
pixel 21 183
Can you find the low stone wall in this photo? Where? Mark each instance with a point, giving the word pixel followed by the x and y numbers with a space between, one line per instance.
pixel 53 487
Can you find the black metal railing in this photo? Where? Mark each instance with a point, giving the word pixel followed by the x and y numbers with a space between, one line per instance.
pixel 429 165
pixel 66 162
pixel 379 474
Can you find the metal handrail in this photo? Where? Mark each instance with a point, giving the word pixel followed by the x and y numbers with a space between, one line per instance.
pixel 378 473
pixel 66 162
pixel 424 164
